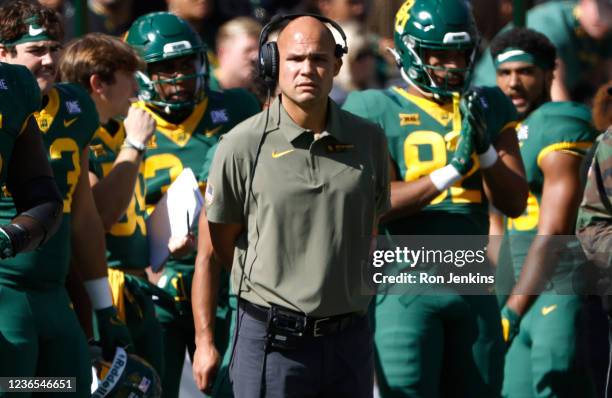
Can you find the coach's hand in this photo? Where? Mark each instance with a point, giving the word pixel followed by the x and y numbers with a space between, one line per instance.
pixel 205 366
pixel 510 324
pixel 112 331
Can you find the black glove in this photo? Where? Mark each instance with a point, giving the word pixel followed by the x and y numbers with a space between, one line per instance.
pixel 112 331
pixel 472 109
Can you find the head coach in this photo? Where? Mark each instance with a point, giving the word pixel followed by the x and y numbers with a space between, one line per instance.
pixel 293 199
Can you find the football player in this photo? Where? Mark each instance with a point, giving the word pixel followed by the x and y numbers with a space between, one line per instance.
pixel 450 164
pixel 24 167
pixel 105 67
pixel 190 119
pixel 42 335
pixel 542 318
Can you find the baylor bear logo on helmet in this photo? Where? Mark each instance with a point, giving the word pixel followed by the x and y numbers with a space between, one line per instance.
pixel 161 36
pixel 434 25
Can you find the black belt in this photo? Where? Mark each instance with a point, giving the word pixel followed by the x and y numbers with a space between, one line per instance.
pixel 310 326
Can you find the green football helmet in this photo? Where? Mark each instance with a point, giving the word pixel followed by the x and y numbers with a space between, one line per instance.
pixel 441 25
pixel 161 36
pixel 127 376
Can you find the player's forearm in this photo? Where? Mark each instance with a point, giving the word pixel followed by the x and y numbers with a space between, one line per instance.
pixel 88 241
pixel 410 197
pixel 114 192
pixel 89 247
pixel 205 286
pixel 507 190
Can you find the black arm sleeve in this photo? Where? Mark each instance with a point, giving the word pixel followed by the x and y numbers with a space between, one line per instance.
pixel 39 212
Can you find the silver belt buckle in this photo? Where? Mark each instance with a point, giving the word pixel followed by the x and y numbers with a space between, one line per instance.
pixel 315 328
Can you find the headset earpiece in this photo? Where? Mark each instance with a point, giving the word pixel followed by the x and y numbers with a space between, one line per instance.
pixel 268 61
pixel 268 52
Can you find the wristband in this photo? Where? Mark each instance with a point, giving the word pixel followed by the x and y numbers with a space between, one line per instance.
pixel 18 238
pixel 444 177
pixel 139 147
pixel 99 293
pixel 488 158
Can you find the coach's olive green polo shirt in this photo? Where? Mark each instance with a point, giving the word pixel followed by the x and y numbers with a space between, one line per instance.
pixel 313 206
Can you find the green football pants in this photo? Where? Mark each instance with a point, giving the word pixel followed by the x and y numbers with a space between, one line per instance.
pixel 41 336
pixel 438 346
pixel 140 318
pixel 546 359
pixel 178 327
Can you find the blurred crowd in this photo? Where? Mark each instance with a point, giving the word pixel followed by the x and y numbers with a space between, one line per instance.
pixel 230 29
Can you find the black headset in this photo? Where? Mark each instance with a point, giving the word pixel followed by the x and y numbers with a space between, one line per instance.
pixel 268 52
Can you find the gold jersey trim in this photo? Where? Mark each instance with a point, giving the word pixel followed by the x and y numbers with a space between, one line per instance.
pixel 567 147
pixel 441 113
pixel 46 116
pixel 178 133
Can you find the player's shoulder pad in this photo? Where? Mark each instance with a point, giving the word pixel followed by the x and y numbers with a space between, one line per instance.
pixel 70 92
pixel 77 103
pixel 367 103
pixel 238 101
pixel 563 122
pixel 20 80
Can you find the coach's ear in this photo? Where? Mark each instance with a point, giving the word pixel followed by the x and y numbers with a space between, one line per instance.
pixel 337 66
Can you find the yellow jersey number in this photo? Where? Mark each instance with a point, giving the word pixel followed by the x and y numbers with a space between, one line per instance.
pixel 529 219
pixel 134 214
pixel 417 168
pixel 57 149
pixel 160 162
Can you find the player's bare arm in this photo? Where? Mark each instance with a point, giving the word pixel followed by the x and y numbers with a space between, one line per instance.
pixel 113 193
pixel 88 242
pixel 213 254
pixel 561 196
pixel 504 181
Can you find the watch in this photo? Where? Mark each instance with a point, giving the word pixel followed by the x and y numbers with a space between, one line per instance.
pixel 139 147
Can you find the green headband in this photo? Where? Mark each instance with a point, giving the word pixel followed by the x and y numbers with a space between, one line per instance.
pixel 35 32
pixel 512 54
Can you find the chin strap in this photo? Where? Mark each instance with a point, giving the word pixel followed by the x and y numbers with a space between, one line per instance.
pixel 407 79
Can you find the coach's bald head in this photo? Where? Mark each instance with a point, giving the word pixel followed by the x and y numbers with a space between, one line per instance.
pixel 307 61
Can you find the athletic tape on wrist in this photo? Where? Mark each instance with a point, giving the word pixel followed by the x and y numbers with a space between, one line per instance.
pixel 444 177
pixel 99 293
pixel 488 158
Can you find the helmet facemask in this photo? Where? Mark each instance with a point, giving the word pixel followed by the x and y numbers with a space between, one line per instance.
pixel 152 92
pixel 418 73
pixel 423 27
pixel 164 37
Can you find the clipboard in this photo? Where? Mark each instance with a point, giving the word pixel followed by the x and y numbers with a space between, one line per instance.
pixel 176 214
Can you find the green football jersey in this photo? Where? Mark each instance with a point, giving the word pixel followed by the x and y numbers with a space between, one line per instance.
pixel 422 136
pixel 554 126
pixel 175 147
pixel 19 98
pixel 126 242
pixel 557 21
pixel 68 121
